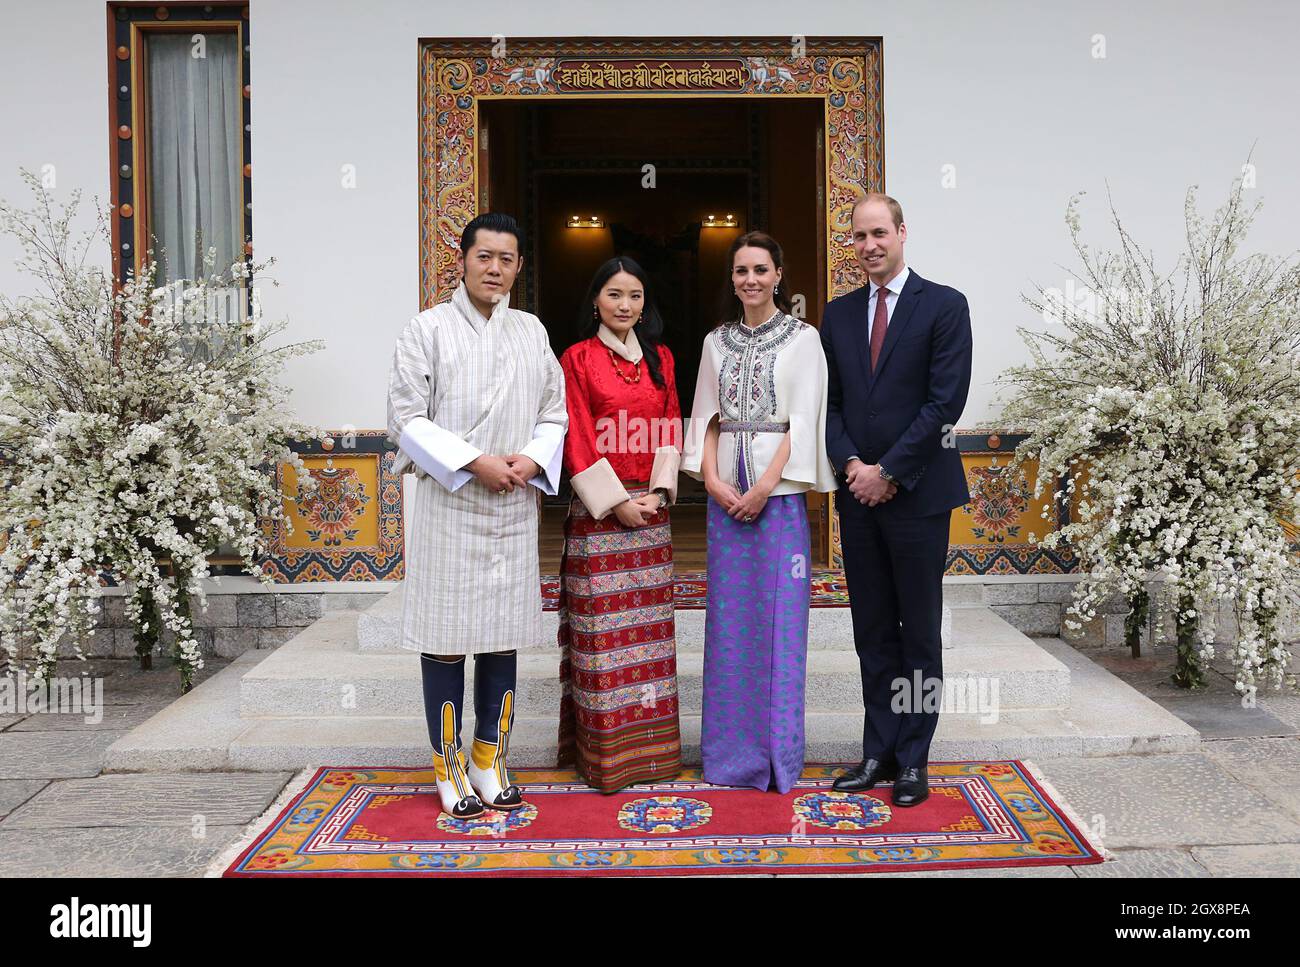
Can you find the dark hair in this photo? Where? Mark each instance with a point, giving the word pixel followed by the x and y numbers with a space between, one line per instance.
pixel 731 309
pixel 649 330
pixel 491 222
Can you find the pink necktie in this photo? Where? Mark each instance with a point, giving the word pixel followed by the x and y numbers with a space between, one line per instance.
pixel 879 324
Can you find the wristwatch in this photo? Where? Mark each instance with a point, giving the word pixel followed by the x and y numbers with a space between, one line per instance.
pixel 885 475
pixel 663 497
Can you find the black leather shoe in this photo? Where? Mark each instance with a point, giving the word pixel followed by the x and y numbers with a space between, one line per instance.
pixel 864 776
pixel 912 787
pixel 468 808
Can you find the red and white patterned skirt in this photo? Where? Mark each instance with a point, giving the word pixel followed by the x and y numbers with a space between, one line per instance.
pixel 618 655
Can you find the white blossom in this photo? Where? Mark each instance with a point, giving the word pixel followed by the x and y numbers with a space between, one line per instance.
pixel 1183 402
pixel 132 426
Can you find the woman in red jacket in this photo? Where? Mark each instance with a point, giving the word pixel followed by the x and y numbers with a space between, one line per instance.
pixel 618 664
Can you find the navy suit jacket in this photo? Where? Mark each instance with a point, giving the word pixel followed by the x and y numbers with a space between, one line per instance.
pixel 902 415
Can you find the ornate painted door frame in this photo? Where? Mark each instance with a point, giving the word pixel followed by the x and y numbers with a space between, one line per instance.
pixel 844 73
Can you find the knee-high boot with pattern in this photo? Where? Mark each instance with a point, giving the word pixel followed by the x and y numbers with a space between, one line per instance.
pixel 494 714
pixel 444 696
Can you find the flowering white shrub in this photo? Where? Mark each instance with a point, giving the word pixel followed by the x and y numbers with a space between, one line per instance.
pixel 135 423
pixel 1170 407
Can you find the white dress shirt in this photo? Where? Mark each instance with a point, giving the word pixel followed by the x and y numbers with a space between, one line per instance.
pixel 893 289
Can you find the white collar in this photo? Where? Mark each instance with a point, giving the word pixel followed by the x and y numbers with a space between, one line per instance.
pixel 894 285
pixel 630 350
pixel 461 300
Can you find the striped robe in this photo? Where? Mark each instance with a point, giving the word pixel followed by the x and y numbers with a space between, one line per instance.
pixel 461 386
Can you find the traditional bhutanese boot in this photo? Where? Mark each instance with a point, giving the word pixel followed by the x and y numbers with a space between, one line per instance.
pixel 444 690
pixel 494 713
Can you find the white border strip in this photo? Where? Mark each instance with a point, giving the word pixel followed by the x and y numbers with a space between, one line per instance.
pixel 1067 810
pixel 257 826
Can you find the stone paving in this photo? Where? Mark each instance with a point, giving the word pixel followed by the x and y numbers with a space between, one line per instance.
pixel 1232 809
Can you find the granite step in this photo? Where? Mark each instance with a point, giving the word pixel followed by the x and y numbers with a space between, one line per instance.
pixel 287 743
pixel 320 674
pixel 379 625
pixel 829 737
pixel 205 729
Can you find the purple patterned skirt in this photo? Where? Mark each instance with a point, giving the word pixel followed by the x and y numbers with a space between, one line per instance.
pixel 756 646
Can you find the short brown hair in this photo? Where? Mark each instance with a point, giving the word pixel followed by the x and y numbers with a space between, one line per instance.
pixel 895 209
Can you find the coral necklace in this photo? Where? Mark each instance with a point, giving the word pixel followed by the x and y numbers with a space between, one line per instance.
pixel 636 370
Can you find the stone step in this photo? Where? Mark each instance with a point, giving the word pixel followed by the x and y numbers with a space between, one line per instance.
pixel 204 731
pixel 318 673
pixel 285 743
pixel 379 625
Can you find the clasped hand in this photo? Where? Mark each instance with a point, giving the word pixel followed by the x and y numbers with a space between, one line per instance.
pixel 636 512
pixel 866 484
pixel 744 507
pixel 503 473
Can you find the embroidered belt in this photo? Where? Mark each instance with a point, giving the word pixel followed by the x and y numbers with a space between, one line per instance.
pixel 751 426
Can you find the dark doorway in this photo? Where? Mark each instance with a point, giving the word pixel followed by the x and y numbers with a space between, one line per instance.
pixel 758 161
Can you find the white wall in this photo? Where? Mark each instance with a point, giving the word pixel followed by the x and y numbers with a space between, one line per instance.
pixel 1007 92
pixel 53 111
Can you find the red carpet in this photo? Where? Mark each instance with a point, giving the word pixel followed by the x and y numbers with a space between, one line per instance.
pixel 388 822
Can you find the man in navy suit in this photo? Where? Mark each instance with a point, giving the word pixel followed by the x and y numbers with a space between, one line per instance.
pixel 898 352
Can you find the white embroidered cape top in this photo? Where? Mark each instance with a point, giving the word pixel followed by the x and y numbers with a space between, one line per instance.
pixel 761 383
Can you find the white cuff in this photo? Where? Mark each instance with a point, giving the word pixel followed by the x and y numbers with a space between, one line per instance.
pixel 438 452
pixel 546 449
pixel 695 430
pixel 599 488
pixel 664 473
